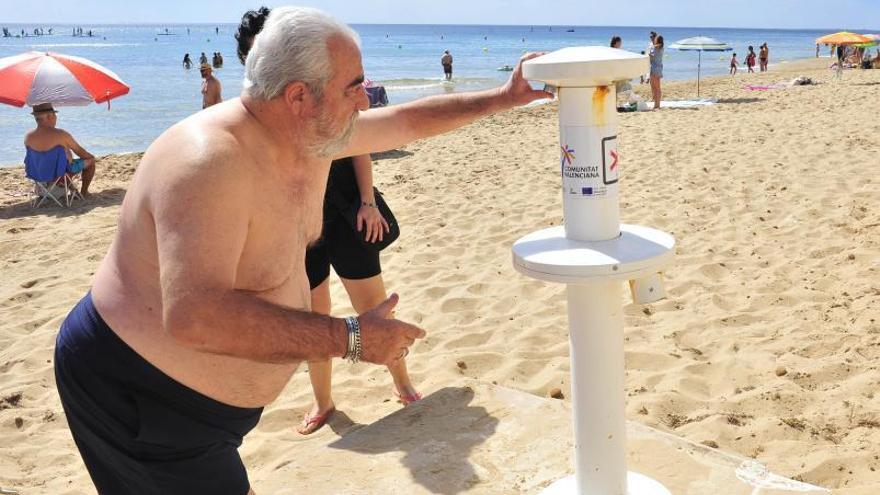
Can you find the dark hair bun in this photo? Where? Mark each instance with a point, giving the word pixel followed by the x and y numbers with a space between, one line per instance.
pixel 251 24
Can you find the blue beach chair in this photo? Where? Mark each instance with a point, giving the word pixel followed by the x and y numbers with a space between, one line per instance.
pixel 53 174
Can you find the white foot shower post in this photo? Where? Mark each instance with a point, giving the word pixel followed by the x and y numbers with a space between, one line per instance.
pixel 593 254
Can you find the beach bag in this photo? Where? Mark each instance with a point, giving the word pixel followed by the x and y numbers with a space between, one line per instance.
pixel 377 95
pixel 349 210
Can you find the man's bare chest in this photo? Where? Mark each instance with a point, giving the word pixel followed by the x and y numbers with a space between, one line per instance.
pixel 278 234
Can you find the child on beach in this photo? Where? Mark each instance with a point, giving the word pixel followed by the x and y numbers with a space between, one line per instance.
pixel 750 59
pixel 733 65
pixel 643 76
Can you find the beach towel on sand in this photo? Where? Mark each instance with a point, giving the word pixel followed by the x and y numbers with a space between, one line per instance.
pixel 679 104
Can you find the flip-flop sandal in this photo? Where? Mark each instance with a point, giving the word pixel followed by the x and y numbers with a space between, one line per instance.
pixel 407 399
pixel 317 420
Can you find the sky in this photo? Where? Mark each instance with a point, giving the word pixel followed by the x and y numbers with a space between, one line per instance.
pixel 788 14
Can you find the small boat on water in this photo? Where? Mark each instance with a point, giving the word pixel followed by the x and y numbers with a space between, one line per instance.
pixel 505 68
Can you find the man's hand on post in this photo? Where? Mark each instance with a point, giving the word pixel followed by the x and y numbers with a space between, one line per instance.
pixel 518 89
pixel 385 340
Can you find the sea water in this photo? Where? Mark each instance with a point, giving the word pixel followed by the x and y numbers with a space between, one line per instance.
pixel 403 58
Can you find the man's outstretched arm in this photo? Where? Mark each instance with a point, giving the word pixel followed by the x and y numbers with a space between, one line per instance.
pixel 390 127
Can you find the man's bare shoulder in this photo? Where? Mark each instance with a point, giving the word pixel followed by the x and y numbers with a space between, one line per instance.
pixel 46 137
pixel 204 151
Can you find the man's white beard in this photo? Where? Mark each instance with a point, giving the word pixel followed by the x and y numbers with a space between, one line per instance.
pixel 334 144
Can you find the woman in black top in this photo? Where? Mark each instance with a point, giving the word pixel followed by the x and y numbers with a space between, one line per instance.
pixel 358 267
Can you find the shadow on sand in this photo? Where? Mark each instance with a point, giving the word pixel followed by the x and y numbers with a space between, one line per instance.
pixel 739 100
pixel 391 154
pixel 437 457
pixel 106 197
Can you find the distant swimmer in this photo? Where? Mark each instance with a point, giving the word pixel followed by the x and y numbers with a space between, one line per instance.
pixel 203 59
pixel 187 62
pixel 446 61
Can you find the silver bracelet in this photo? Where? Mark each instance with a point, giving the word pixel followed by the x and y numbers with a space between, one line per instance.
pixel 354 339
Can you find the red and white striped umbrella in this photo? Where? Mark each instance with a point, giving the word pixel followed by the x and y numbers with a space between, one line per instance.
pixel 62 80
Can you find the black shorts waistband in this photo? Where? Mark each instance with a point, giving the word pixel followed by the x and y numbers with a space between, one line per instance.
pixel 86 335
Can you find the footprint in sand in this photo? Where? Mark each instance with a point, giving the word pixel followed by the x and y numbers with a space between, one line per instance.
pixel 478 288
pixel 713 271
pixel 457 304
pixel 20 297
pixel 437 292
pixel 471 340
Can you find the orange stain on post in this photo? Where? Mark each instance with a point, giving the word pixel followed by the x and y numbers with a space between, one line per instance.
pixel 599 104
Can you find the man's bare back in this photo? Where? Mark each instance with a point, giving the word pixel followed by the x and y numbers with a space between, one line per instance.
pixel 236 185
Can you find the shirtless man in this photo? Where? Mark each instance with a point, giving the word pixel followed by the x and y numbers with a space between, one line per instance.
pixel 46 136
pixel 210 88
pixel 198 315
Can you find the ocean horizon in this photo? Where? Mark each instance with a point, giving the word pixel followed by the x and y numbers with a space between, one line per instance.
pixel 402 57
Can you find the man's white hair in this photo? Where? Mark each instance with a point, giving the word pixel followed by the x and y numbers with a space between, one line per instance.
pixel 293 47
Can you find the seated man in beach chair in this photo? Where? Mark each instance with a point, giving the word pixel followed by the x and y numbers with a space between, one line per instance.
pixel 48 147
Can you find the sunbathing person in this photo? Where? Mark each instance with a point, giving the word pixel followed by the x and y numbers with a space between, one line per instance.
pixel 47 137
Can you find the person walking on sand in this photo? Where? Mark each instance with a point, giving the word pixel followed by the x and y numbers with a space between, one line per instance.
pixel 656 58
pixel 198 315
pixel 733 65
pixel 356 263
pixel 446 62
pixel 750 59
pixel 211 88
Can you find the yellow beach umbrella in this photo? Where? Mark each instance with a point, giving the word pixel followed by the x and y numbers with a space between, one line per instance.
pixel 843 38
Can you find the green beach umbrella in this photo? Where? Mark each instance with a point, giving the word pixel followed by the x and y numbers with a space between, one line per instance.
pixel 700 44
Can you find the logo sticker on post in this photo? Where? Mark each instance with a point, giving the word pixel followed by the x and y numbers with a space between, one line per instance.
pixel 610 161
pixel 581 164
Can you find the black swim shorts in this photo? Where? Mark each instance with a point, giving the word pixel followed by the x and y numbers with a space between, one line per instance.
pixel 137 429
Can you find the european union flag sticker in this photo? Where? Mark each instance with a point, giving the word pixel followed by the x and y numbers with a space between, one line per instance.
pixel 587 191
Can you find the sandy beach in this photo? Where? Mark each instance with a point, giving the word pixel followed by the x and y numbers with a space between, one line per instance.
pixel 767 346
